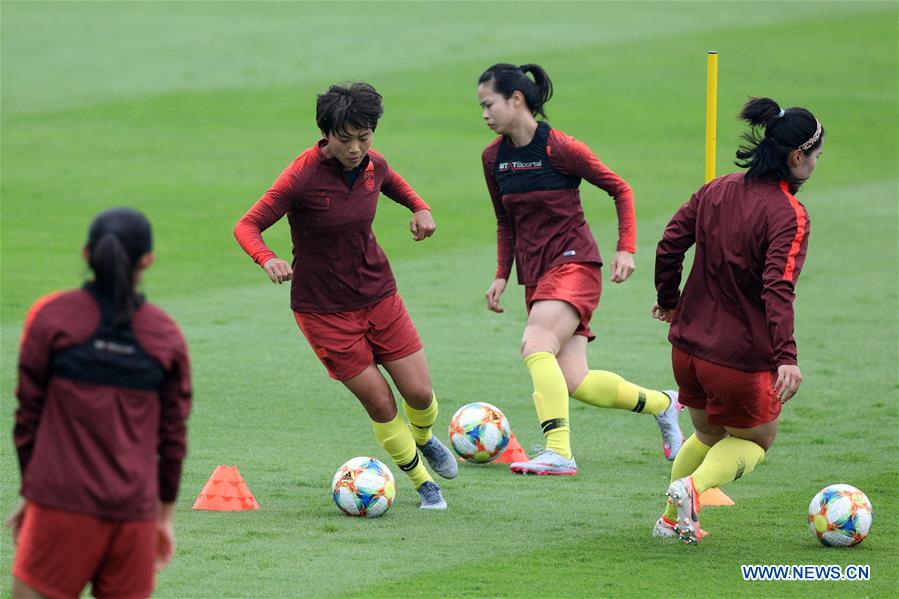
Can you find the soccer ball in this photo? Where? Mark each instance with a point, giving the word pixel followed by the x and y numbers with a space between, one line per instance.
pixel 479 432
pixel 363 487
pixel 840 516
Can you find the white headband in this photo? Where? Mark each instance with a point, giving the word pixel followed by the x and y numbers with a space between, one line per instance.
pixel 814 138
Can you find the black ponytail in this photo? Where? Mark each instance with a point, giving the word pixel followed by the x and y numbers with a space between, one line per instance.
pixel 773 134
pixel 507 79
pixel 117 240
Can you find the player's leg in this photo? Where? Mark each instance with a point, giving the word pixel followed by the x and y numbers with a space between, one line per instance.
pixel 606 389
pixel 734 456
pixel 413 381
pixel 396 345
pixel 371 389
pixel 688 459
pixel 745 405
pixel 550 324
pixel 340 342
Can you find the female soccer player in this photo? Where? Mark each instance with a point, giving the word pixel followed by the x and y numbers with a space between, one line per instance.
pixel 733 353
pixel 343 293
pixel 533 172
pixel 104 393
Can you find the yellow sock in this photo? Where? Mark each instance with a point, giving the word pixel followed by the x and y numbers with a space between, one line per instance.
pixel 727 460
pixel 551 401
pixel 608 390
pixel 421 421
pixel 687 461
pixel 397 441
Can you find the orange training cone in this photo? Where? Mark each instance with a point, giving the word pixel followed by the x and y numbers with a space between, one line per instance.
pixel 226 491
pixel 714 496
pixel 514 452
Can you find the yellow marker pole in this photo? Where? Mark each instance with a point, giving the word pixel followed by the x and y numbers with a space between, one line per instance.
pixel 711 114
pixel 713 496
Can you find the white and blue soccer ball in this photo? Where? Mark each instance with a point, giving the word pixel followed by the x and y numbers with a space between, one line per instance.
pixel 479 432
pixel 364 487
pixel 840 516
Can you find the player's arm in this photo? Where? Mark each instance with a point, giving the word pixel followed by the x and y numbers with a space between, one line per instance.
pixel 35 350
pixel 34 376
pixel 787 246
pixel 679 236
pixel 422 223
pixel 175 404
pixel 575 157
pixel 263 214
pixel 505 239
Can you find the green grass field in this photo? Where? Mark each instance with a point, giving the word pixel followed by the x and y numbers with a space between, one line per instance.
pixel 188 111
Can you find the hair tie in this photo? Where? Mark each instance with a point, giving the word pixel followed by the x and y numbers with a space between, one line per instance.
pixel 813 139
pixel 781 113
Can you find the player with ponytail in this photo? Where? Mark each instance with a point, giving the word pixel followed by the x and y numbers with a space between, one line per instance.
pixel 533 173
pixel 104 392
pixel 734 355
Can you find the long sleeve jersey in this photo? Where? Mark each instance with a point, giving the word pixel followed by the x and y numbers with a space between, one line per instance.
pixel 101 423
pixel 337 263
pixel 540 220
pixel 736 308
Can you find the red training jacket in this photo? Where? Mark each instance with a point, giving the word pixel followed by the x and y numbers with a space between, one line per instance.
pixel 736 309
pixel 101 423
pixel 337 263
pixel 540 220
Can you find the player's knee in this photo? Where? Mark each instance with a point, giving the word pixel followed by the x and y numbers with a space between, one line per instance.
pixel 420 396
pixel 537 339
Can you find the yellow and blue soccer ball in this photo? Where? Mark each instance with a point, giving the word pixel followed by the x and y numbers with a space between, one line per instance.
pixel 364 487
pixel 479 432
pixel 840 516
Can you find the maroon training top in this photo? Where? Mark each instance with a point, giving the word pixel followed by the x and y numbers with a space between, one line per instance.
pixel 737 306
pixel 337 263
pixel 101 423
pixel 540 221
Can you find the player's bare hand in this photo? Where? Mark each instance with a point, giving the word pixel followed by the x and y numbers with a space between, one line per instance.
pixel 493 295
pixel 422 225
pixel 278 270
pixel 622 267
pixel 165 535
pixel 660 313
pixel 14 521
pixel 788 380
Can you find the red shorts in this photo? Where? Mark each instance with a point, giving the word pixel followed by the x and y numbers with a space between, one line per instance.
pixel 59 552
pixel 578 283
pixel 730 397
pixel 347 342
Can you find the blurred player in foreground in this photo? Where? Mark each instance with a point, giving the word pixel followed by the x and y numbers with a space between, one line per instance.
pixel 104 393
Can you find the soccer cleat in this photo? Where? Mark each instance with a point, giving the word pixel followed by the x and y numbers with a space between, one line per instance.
pixel 441 459
pixel 672 437
pixel 683 493
pixel 547 463
pixel 431 496
pixel 664 529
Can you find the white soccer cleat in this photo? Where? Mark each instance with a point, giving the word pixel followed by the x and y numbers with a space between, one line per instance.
pixel 683 493
pixel 672 437
pixel 548 463
pixel 664 529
